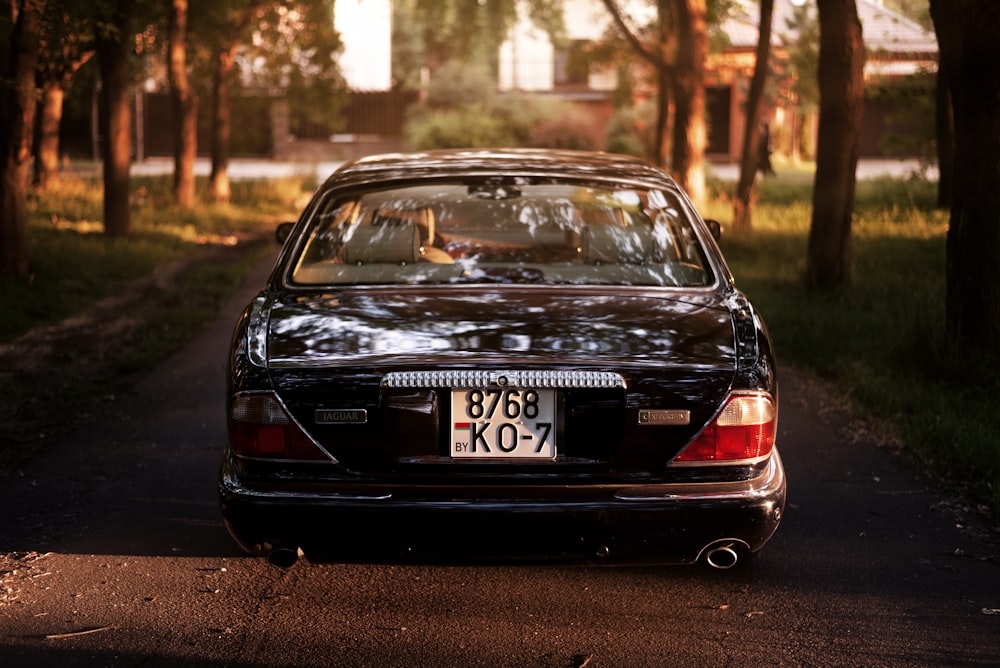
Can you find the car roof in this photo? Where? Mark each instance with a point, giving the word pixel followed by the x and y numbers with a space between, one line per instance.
pixel 499 162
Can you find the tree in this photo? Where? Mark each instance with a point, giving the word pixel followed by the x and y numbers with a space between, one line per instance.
pixel 65 46
pixel 677 54
pixel 285 45
pixel 800 66
pixel 113 40
pixel 841 90
pixel 656 50
pixel 222 26
pixel 968 33
pixel 690 124
pixel 17 113
pixel 442 31
pixel 742 215
pixel 185 106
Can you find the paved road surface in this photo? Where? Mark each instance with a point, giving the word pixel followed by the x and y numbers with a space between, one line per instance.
pixel 112 553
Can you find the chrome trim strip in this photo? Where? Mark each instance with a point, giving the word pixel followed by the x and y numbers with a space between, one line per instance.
pixel 528 378
pixel 257 332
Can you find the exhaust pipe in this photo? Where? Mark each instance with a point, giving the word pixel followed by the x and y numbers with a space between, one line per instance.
pixel 724 554
pixel 283 557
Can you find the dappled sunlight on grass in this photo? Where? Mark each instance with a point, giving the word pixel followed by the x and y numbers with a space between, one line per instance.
pixel 73 263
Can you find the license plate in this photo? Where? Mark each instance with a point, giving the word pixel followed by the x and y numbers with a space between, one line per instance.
pixel 499 423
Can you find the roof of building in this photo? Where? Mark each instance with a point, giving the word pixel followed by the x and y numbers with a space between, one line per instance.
pixel 883 29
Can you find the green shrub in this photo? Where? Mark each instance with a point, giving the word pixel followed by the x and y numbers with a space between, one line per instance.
pixel 473 127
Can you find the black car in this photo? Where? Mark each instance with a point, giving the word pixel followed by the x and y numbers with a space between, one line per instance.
pixel 501 354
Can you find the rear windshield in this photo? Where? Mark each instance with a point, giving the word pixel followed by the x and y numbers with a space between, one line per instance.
pixel 515 232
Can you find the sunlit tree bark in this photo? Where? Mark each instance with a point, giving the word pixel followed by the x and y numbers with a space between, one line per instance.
pixel 750 160
pixel 841 89
pixel 221 124
pixel 113 44
pixel 185 106
pixel 690 126
pixel 17 113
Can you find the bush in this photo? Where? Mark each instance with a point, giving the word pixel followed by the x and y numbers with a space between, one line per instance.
pixel 472 127
pixel 631 130
pixel 463 110
pixel 570 131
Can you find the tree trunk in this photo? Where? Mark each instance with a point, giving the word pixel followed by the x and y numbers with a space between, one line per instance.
pixel 47 153
pixel 659 149
pixel 113 50
pixel 17 114
pixel 944 129
pixel 968 35
pixel 221 125
pixel 185 106
pixel 841 92
pixel 742 213
pixel 690 130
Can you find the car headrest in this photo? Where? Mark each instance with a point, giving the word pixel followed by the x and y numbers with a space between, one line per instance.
pixel 383 244
pixel 613 244
pixel 422 217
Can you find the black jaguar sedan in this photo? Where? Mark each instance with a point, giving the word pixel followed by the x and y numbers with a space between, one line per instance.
pixel 515 354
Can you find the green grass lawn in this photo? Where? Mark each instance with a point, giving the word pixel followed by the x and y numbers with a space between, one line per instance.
pixel 879 343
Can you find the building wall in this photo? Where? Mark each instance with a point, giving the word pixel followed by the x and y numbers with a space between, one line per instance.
pixel 365 28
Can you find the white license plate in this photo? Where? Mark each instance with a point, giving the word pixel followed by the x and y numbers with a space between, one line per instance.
pixel 496 423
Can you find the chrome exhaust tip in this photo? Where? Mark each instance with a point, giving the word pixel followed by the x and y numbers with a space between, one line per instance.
pixel 722 558
pixel 283 557
pixel 724 554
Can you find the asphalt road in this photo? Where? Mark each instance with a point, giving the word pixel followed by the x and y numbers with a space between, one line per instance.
pixel 112 553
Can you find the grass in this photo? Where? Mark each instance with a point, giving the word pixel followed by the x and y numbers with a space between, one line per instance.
pixel 74 266
pixel 879 342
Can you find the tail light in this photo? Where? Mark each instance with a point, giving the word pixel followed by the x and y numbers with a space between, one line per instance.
pixel 743 429
pixel 259 427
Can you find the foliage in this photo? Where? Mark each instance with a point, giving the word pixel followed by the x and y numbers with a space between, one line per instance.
pixel 430 33
pixel 469 127
pixel 463 110
pixel 910 128
pixel 803 56
pixel 293 48
pixel 631 130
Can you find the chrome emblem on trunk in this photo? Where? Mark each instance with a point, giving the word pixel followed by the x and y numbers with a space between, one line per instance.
pixel 666 417
pixel 341 416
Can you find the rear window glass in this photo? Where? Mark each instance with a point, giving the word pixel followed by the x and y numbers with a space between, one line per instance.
pixel 514 232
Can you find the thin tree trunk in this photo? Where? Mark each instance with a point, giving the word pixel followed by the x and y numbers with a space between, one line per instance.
pixel 690 129
pixel 659 149
pixel 750 161
pixel 222 125
pixel 944 126
pixel 47 153
pixel 185 106
pixel 841 87
pixel 969 37
pixel 18 117
pixel 113 50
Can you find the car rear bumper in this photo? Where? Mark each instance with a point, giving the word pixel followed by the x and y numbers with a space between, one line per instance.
pixel 670 523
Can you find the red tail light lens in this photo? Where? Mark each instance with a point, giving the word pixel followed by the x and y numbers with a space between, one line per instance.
pixel 744 429
pixel 259 427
